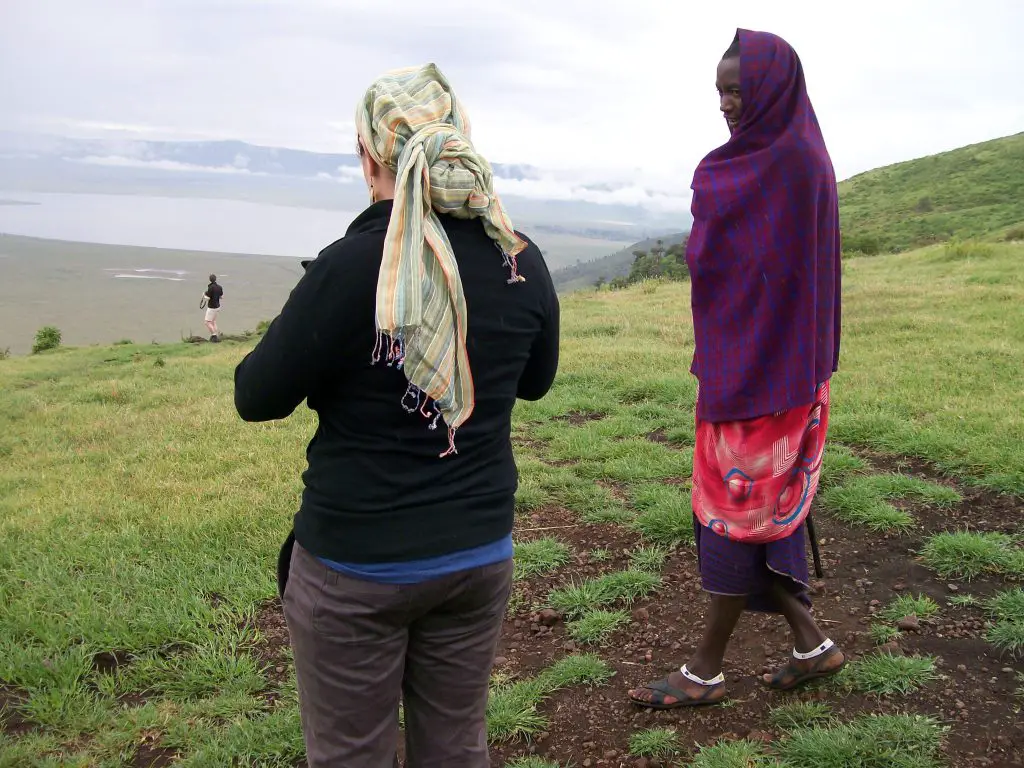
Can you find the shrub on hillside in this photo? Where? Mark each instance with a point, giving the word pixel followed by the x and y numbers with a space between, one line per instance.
pixel 5 353
pixel 868 245
pixel 261 327
pixel 47 337
pixel 1014 235
pixel 963 250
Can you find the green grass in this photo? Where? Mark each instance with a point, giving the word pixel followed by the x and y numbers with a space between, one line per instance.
pixel 1008 604
pixel 731 754
pixel 533 558
pixel 1008 636
pixel 861 506
pixel 882 674
pixel 660 743
pixel 799 714
pixel 650 559
pixel 512 708
pixel 575 600
pixel 839 464
pixel 969 192
pixel 123 527
pixel 896 486
pixel 884 633
pixel 594 626
pixel 1006 609
pixel 531 761
pixel 921 606
pixel 969 555
pixel 666 514
pixel 599 555
pixel 865 500
pixel 963 601
pixel 870 741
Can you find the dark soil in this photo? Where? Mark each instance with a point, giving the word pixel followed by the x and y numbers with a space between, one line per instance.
pixel 106 662
pixel 271 647
pixel 11 722
pixel 975 694
pixel 150 755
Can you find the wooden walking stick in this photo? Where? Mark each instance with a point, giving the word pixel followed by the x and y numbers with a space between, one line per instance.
pixel 812 534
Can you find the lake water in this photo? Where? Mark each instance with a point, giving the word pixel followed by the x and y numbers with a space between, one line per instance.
pixel 98 276
pixel 191 224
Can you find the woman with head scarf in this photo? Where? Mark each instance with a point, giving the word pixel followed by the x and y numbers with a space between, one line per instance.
pixel 764 260
pixel 411 337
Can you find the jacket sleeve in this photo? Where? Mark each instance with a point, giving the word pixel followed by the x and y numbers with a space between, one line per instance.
pixel 303 345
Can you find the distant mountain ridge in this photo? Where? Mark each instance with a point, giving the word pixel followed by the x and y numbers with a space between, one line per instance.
pixel 221 154
pixel 235 169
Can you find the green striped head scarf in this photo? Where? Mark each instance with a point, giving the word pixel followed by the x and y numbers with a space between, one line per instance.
pixel 410 121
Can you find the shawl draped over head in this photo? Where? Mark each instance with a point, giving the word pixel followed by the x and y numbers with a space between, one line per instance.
pixel 410 122
pixel 764 251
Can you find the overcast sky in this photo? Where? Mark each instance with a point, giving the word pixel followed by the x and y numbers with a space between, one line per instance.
pixel 606 88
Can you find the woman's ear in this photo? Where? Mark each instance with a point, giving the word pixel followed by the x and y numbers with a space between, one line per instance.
pixel 369 166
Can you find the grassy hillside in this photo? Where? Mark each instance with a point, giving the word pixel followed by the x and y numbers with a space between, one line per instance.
pixel 586 274
pixel 975 191
pixel 970 192
pixel 140 518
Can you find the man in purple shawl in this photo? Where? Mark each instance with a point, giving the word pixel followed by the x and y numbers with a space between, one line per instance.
pixel 764 258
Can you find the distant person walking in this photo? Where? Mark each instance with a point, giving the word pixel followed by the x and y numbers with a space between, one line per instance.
pixel 211 301
pixel 764 256
pixel 411 337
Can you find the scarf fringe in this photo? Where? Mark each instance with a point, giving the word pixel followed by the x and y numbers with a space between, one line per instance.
pixel 513 265
pixel 415 399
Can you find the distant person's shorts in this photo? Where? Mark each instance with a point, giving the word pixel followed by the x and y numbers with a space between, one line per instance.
pixel 211 314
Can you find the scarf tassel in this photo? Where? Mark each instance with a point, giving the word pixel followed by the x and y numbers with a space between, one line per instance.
pixel 511 262
pixel 415 399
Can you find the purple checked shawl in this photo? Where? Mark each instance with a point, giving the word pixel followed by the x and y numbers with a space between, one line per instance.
pixel 764 250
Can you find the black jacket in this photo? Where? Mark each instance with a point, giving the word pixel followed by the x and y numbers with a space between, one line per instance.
pixel 375 488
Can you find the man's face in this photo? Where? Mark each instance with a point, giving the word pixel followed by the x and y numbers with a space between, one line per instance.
pixel 728 84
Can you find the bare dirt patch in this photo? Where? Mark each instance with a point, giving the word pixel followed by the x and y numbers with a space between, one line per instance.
pixel 272 646
pixel 149 753
pixel 975 693
pixel 11 721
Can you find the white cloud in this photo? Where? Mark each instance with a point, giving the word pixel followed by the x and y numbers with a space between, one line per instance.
pixel 162 165
pixel 549 188
pixel 606 88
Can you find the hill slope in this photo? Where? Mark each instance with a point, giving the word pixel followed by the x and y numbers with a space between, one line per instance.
pixel 585 274
pixel 973 191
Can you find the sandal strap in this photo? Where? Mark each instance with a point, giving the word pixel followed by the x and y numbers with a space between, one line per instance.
pixel 824 647
pixel 716 680
pixel 665 688
pixel 794 672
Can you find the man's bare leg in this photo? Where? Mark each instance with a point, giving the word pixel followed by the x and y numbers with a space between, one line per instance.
pixel 706 662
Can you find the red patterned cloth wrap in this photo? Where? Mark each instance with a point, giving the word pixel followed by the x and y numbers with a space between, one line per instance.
pixel 754 480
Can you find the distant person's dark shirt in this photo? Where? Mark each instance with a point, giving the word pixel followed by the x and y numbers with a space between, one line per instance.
pixel 214 292
pixel 375 488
